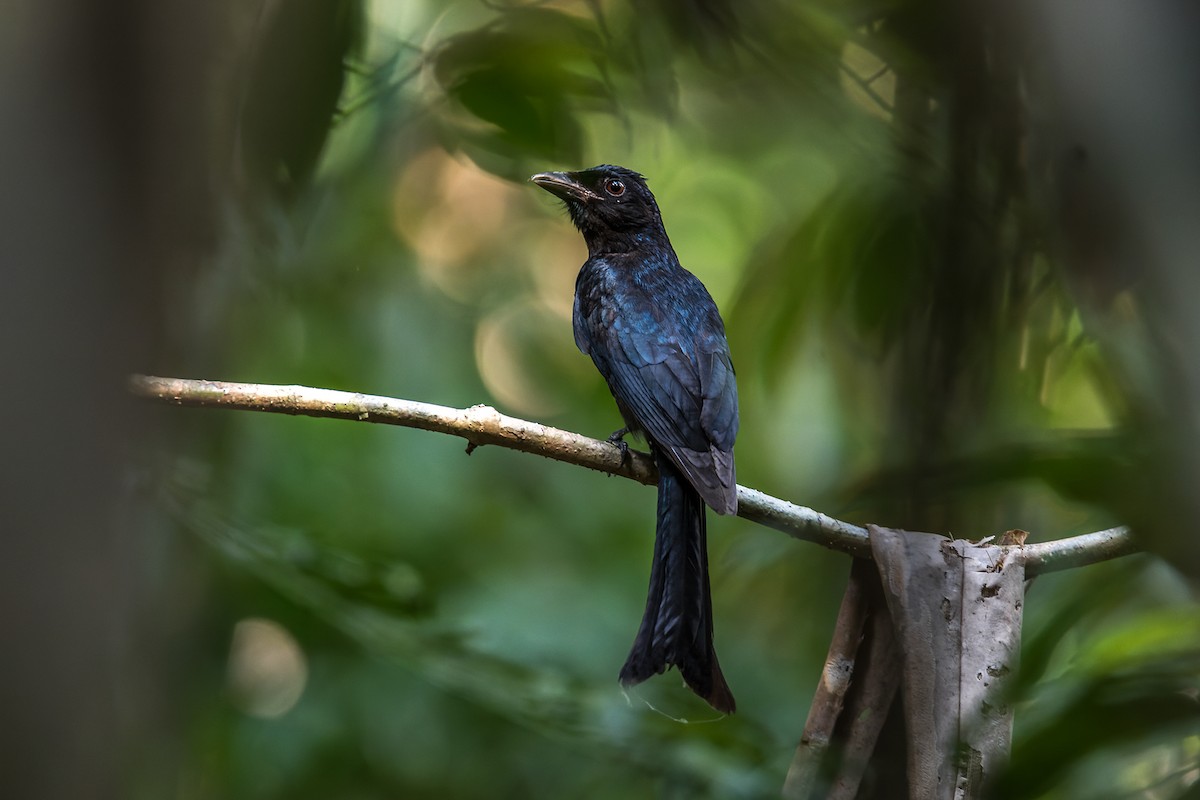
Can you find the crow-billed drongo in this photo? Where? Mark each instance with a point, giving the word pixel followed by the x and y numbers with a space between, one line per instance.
pixel 654 333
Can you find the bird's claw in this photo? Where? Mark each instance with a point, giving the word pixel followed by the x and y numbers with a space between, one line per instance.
pixel 618 438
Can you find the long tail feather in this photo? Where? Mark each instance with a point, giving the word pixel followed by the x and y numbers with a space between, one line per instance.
pixel 677 625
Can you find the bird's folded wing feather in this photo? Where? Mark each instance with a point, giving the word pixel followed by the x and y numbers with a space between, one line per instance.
pixel 688 406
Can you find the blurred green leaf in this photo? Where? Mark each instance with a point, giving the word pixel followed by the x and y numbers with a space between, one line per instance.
pixel 528 76
pixel 293 86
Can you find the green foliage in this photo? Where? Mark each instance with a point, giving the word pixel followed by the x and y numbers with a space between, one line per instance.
pixel 912 350
pixel 292 89
pixel 524 77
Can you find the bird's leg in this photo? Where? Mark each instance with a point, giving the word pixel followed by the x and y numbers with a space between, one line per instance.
pixel 618 438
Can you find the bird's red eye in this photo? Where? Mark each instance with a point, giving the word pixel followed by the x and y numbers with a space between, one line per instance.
pixel 614 187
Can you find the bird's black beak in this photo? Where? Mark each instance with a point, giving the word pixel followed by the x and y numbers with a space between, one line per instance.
pixel 563 185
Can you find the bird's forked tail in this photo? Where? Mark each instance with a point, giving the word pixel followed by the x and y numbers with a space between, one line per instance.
pixel 677 628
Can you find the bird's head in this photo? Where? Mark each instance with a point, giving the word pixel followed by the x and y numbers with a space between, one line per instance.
pixel 611 206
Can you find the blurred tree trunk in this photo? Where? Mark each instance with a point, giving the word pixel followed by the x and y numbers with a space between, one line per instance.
pixel 103 147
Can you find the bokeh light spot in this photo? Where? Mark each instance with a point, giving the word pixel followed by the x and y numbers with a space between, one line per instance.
pixel 267 668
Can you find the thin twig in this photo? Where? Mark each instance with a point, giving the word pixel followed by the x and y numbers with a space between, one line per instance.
pixel 864 85
pixel 483 425
pixel 1077 551
pixel 840 672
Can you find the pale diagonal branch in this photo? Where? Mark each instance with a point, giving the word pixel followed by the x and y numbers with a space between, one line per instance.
pixel 481 425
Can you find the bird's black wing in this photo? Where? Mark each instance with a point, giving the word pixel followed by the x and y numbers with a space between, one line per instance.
pixel 682 394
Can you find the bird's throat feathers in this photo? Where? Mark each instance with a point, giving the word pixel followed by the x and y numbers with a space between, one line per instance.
pixel 605 240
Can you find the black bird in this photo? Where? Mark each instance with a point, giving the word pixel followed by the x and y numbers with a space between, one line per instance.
pixel 654 333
